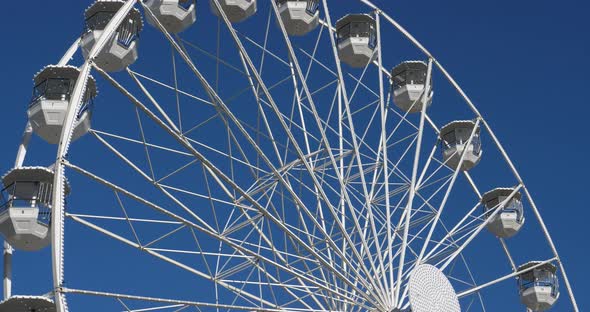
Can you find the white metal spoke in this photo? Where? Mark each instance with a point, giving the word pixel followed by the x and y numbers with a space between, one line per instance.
pixel 268 170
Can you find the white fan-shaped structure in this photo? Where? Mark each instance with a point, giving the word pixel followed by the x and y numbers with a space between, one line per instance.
pixel 431 291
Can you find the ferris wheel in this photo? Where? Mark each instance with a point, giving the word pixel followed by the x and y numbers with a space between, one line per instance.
pixel 270 155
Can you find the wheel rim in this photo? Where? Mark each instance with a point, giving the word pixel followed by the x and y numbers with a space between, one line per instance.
pixel 290 168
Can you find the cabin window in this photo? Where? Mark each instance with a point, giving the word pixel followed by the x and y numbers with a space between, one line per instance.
pixel 414 76
pixel 53 89
pixel 99 20
pixel 358 29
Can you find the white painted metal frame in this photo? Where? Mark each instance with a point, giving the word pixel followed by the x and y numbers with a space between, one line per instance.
pixel 381 294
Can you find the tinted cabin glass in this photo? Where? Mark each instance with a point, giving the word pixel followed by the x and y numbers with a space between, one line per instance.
pixel 24 190
pixel 360 29
pixel 4 196
pixel 53 89
pixel 356 29
pixel 344 32
pixel 34 194
pixel 489 206
pixel 399 81
pixel 312 5
pixel 526 281
pixel 492 203
pixel 39 90
pixel 26 194
pixel 450 138
pixel 409 76
pixel 128 31
pixel 58 89
pixel 462 134
pixel 542 276
pixel 514 205
pixel 416 76
pixel 476 142
pixel 99 20
pixel 545 278
pixel 87 106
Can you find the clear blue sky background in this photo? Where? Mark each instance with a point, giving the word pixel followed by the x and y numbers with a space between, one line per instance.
pixel 525 64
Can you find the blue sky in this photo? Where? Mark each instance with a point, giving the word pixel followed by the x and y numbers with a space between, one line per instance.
pixel 522 62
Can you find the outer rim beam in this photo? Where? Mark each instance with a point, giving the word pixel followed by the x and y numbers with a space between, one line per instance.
pixel 57 224
pixel 20 159
pixel 172 301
